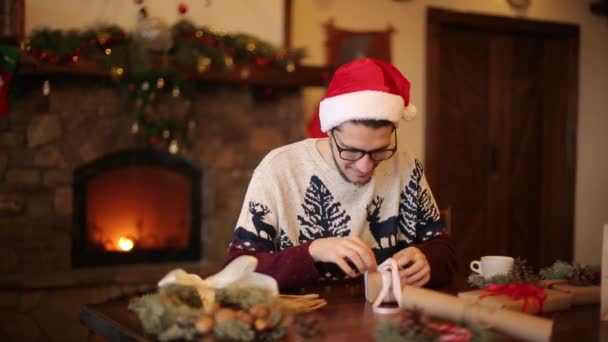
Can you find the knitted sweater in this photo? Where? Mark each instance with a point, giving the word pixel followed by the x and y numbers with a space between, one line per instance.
pixel 295 197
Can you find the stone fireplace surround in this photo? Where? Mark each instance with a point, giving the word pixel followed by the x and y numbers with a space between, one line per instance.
pixel 44 138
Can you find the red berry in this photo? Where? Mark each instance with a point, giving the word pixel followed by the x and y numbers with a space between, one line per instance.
pixel 182 8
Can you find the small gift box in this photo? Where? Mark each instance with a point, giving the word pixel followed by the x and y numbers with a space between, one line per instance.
pixel 580 294
pixel 519 297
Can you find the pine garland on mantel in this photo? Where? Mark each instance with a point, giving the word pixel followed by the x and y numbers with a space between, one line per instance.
pixel 195 50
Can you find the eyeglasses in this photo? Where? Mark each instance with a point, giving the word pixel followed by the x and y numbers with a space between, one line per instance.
pixel 353 154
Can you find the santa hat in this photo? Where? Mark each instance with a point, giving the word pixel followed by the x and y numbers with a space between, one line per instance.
pixel 365 89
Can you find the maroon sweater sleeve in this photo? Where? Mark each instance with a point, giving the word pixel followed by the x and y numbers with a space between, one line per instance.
pixel 441 255
pixel 291 267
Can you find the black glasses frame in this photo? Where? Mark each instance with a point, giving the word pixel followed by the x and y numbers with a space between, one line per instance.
pixel 373 154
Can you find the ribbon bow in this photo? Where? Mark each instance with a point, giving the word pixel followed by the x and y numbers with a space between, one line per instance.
pixel 390 279
pixel 239 272
pixel 517 291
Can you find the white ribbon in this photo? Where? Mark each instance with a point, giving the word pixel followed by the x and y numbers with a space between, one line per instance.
pixel 389 270
pixel 239 272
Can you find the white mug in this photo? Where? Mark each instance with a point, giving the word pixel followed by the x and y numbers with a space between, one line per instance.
pixel 492 265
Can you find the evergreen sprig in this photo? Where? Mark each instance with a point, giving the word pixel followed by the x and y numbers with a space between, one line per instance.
pixel 174 312
pixel 559 270
pixel 477 281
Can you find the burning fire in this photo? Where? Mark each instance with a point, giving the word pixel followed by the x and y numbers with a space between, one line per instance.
pixel 125 244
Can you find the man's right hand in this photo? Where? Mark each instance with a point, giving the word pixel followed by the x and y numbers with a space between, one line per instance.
pixel 341 250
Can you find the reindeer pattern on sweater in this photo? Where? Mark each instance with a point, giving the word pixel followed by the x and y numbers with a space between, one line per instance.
pixel 295 196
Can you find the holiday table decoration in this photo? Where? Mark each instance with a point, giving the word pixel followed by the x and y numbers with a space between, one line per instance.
pixel 235 304
pixel 581 282
pixel 519 297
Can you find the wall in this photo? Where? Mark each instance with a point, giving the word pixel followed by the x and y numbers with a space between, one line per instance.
pixel 230 15
pixel 409 20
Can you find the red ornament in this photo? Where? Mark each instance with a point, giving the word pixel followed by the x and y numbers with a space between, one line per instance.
pixel 182 8
pixel 154 140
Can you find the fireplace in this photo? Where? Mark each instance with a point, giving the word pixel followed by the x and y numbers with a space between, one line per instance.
pixel 136 206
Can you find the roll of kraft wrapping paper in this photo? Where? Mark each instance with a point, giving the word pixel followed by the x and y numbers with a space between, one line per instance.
pixel 452 308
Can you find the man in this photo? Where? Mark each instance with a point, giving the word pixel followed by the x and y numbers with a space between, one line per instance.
pixel 335 207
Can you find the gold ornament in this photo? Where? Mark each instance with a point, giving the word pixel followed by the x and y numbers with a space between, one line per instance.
pixel 103 37
pixel 290 67
pixel 108 51
pixel 251 46
pixel 160 83
pixel 117 71
pixel 203 64
pixel 198 34
pixel 229 62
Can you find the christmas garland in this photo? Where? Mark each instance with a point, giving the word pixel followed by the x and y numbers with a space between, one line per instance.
pixel 523 273
pixel 194 49
pixel 162 109
pixel 576 274
pixel 192 45
pixel 178 312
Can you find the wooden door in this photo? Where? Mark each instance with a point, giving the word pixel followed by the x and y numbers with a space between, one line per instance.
pixel 499 136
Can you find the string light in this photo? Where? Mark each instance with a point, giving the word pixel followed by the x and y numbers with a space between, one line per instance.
pixel 135 128
pixel 108 51
pixel 175 92
pixel 46 88
pixel 160 83
pixel 166 134
pixel 203 64
pixel 173 147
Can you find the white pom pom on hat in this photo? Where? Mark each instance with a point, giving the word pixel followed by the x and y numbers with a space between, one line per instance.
pixel 364 89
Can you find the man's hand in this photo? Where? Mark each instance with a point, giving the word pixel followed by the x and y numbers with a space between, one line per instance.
pixel 416 269
pixel 341 251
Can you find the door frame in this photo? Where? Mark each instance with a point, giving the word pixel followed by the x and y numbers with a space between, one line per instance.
pixel 559 130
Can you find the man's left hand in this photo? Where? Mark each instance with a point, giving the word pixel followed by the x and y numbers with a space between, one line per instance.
pixel 416 270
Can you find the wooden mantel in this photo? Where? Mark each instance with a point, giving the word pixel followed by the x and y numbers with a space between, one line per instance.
pixel 301 76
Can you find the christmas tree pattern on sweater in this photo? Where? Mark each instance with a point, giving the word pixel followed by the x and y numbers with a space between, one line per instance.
pixel 323 216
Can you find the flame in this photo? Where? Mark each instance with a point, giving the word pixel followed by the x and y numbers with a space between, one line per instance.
pixel 125 244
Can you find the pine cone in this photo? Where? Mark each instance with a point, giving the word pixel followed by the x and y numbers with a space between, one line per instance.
pixel 581 276
pixel 522 272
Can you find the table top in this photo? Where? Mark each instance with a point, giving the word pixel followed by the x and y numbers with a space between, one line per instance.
pixel 347 317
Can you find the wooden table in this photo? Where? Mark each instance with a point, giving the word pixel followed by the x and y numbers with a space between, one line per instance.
pixel 347 317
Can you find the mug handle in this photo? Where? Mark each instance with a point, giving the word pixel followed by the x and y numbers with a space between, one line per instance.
pixel 476 266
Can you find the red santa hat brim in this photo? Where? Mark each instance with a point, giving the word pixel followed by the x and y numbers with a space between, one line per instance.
pixel 363 105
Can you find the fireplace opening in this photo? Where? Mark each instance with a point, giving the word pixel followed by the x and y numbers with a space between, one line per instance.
pixel 137 206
